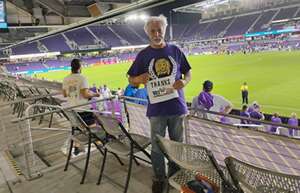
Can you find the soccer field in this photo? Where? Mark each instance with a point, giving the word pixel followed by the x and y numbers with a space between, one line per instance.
pixel 273 78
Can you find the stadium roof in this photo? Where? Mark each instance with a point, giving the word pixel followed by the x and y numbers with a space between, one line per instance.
pixel 223 5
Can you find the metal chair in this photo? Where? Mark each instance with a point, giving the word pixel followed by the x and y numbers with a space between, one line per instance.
pixel 249 178
pixel 193 160
pixel 83 134
pixel 122 143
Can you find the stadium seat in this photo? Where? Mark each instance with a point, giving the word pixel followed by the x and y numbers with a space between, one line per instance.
pixel 249 178
pixel 122 143
pixel 194 160
pixel 83 134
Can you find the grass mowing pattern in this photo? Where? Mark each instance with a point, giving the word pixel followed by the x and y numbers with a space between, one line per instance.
pixel 273 78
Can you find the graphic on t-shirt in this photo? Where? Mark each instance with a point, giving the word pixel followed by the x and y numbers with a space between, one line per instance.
pixel 162 73
pixel 162 67
pixel 73 93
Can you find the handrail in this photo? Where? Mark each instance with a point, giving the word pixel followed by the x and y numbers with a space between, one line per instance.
pixel 61 109
pixel 30 99
pixel 244 118
pixel 134 98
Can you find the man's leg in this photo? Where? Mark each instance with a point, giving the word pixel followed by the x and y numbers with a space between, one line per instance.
pixel 175 129
pixel 158 127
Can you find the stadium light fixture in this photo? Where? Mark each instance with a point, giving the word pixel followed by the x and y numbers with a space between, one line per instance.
pixel 129 47
pixel 48 54
pixel 135 17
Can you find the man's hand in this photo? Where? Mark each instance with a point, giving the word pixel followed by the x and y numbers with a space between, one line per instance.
pixel 96 94
pixel 143 78
pixel 179 84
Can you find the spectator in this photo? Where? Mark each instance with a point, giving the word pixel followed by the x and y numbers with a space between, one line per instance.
pixel 75 88
pixel 275 119
pixel 130 91
pixel 141 93
pixel 120 92
pixel 204 101
pixel 244 113
pixel 293 121
pixel 256 114
pixel 253 106
pixel 106 92
pixel 93 88
pixel 165 70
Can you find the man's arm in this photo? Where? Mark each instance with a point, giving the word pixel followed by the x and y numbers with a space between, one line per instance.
pixel 64 92
pixel 137 80
pixel 86 93
pixel 179 84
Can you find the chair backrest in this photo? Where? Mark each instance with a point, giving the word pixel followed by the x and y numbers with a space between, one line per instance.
pixel 192 157
pixel 258 180
pixel 110 124
pixel 75 120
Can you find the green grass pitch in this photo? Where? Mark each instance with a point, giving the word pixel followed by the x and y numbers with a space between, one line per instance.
pixel 273 78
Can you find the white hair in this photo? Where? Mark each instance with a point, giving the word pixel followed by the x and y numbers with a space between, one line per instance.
pixel 161 18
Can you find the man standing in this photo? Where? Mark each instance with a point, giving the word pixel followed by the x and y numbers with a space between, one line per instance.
pixel 164 69
pixel 76 89
pixel 244 89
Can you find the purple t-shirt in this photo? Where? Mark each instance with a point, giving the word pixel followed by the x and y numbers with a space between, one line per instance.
pixel 275 120
pixel 175 64
pixel 244 114
pixel 205 99
pixel 256 115
pixel 293 122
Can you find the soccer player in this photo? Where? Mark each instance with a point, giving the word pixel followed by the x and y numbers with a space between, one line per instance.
pixel 165 71
pixel 244 89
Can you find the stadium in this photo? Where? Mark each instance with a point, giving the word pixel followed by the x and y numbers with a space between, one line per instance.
pixel 246 51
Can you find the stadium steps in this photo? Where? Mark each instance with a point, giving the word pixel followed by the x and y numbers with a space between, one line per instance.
pixel 222 33
pixel 296 13
pixel 97 38
pixel 254 23
pixel 274 16
pixel 123 41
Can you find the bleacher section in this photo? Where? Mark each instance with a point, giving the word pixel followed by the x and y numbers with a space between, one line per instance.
pixel 21 67
pixel 264 20
pixel 55 43
pixel 25 49
pixel 81 36
pixel 215 28
pixel 241 25
pixel 127 34
pixel 139 29
pixel 105 34
pixel 286 13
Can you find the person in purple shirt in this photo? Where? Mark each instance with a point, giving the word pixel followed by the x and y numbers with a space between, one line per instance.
pixel 275 119
pixel 164 70
pixel 293 121
pixel 256 114
pixel 252 107
pixel 205 99
pixel 94 88
pixel 244 113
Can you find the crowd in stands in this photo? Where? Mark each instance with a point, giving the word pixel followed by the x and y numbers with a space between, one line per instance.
pixel 212 102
